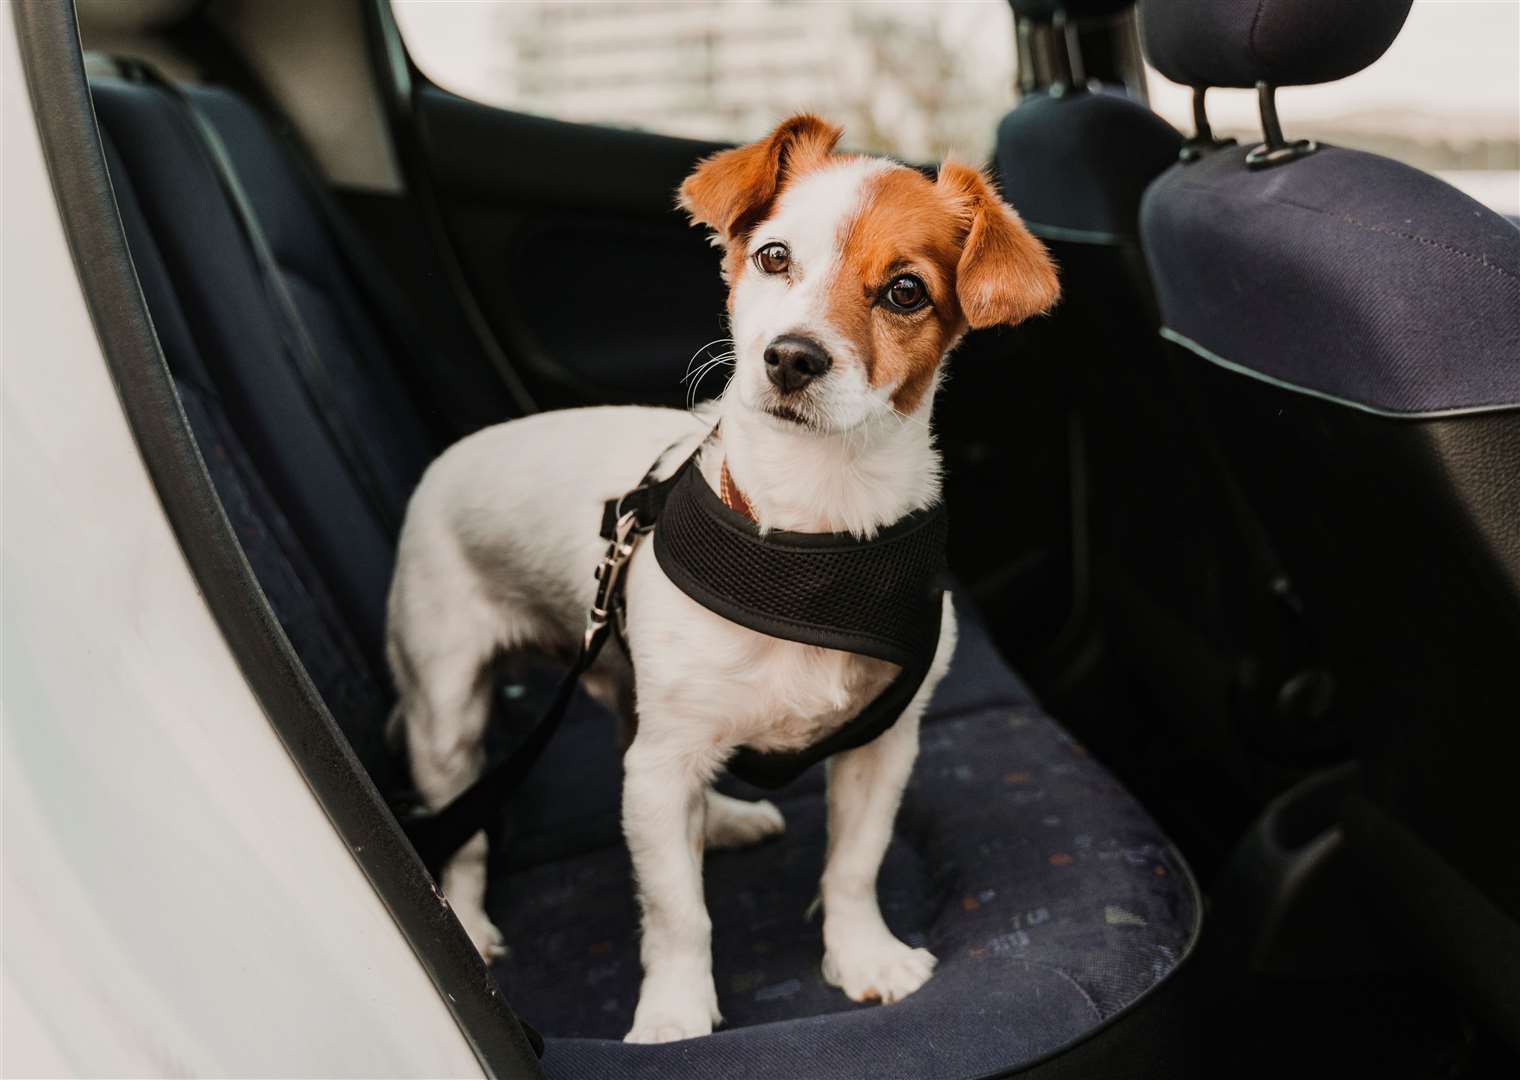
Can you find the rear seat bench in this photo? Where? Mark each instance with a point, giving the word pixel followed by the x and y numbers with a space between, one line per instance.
pixel 1056 906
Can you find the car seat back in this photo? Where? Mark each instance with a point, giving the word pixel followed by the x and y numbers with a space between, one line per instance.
pixel 1184 590
pixel 1354 325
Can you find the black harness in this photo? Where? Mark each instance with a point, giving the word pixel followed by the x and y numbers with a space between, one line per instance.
pixel 881 598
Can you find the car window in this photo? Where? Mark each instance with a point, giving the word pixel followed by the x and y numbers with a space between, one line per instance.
pixel 1444 98
pixel 916 80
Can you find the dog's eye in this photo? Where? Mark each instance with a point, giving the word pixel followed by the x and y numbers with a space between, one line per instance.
pixel 907 293
pixel 773 258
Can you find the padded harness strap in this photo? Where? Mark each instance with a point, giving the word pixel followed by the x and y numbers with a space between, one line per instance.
pixel 881 598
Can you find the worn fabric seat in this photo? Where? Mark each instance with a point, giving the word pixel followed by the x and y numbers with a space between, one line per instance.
pixel 1054 902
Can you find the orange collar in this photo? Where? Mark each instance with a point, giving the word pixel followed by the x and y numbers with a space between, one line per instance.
pixel 732 497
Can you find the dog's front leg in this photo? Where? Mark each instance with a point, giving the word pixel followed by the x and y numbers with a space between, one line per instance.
pixel 861 956
pixel 664 800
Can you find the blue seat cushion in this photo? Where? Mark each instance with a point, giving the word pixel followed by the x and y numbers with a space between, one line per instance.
pixel 1051 899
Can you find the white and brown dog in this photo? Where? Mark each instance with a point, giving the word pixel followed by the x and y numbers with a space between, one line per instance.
pixel 850 279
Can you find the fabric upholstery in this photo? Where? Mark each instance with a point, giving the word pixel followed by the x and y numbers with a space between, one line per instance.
pixel 238 339
pixel 356 348
pixel 1052 901
pixel 295 587
pixel 1075 165
pixel 1282 42
pixel 1343 274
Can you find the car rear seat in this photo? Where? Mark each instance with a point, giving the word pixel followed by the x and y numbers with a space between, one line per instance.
pixel 1056 905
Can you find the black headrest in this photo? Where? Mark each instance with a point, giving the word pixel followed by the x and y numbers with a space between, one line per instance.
pixel 1282 42
pixel 1045 10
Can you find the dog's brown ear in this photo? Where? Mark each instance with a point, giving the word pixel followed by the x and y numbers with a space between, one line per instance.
pixel 731 191
pixel 1004 275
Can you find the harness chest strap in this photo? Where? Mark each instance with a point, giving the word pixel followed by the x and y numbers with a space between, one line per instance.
pixel 881 598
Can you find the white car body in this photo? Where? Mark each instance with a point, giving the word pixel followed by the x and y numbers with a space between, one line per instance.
pixel 176 902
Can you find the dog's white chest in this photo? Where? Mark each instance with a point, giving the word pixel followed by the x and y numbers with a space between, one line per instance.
pixel 796 694
pixel 740 686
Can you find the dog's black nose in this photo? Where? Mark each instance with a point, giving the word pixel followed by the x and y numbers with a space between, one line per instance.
pixel 792 361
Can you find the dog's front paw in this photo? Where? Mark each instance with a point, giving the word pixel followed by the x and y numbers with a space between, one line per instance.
pixel 736 823
pixel 670 1012
pixel 877 968
pixel 483 933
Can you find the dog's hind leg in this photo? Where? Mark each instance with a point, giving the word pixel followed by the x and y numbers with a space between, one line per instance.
pixel 736 823
pixel 446 701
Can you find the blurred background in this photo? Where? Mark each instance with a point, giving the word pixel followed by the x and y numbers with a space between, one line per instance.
pixel 918 79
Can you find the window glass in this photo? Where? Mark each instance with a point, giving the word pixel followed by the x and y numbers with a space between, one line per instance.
pixel 913 79
pixel 1444 98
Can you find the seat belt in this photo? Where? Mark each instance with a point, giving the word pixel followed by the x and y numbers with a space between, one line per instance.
pixel 316 379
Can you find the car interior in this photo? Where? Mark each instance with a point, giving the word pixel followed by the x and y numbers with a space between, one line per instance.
pixel 1220 781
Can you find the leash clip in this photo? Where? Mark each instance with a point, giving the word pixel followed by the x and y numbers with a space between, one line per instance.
pixel 609 575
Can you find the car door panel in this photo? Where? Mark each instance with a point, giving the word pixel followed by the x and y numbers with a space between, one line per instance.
pixel 571 239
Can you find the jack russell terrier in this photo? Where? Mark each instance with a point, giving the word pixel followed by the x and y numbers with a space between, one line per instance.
pixel 850 280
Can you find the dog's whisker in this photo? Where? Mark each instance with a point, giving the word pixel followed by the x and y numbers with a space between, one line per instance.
pixel 710 344
pixel 690 375
pixel 701 373
pixel 715 341
pixel 724 358
pixel 696 380
pixel 905 418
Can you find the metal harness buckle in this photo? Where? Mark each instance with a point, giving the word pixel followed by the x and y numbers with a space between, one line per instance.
pixel 609 572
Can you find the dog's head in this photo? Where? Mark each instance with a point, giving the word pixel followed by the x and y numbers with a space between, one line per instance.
pixel 850 278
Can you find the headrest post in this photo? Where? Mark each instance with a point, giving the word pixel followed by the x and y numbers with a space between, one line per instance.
pixel 1203 135
pixel 1275 150
pixel 1201 127
pixel 1271 127
pixel 1073 38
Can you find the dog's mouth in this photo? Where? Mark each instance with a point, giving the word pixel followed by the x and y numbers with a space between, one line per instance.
pixel 790 415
